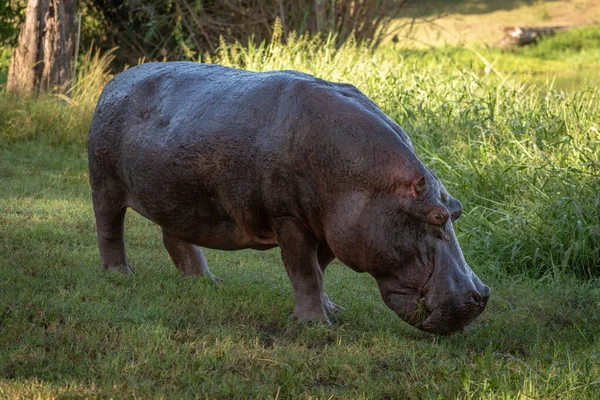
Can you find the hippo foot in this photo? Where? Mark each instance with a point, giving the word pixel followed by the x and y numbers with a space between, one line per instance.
pixel 330 306
pixel 310 316
pixel 213 277
pixel 122 268
pixel 197 273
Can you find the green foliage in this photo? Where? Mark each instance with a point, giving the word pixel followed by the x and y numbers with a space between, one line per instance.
pixel 12 13
pixel 570 45
pixel 174 30
pixel 525 166
pixel 5 55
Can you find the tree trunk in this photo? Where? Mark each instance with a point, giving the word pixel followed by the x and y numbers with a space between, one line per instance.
pixel 42 61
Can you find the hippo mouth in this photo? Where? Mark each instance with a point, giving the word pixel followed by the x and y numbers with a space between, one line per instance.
pixel 425 323
pixel 419 308
pixel 412 308
pixel 409 305
pixel 438 321
pixel 416 313
pixel 451 316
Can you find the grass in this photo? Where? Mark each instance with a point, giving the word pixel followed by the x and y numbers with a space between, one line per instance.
pixel 59 119
pixel 572 46
pixel 523 160
pixel 68 329
pixel 563 56
pixel 468 30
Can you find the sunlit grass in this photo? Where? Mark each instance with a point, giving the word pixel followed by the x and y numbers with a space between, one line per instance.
pixel 69 329
pixel 61 118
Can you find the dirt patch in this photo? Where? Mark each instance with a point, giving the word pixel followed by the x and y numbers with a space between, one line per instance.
pixel 479 22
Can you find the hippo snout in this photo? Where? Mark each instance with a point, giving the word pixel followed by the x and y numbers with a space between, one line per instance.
pixel 442 307
pixel 481 296
pixel 456 312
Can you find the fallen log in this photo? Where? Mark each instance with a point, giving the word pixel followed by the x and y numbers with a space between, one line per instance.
pixel 524 35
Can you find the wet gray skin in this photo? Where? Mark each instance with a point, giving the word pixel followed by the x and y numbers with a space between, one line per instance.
pixel 450 295
pixel 431 286
pixel 230 159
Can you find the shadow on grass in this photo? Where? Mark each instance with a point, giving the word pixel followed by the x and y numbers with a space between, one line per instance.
pixel 75 327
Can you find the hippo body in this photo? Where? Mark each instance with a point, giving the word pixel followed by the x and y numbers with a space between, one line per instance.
pixel 230 159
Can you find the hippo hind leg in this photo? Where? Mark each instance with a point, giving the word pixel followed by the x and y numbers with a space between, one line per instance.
pixel 109 209
pixel 187 257
pixel 325 257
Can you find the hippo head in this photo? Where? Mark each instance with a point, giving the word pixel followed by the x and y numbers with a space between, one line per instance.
pixel 406 241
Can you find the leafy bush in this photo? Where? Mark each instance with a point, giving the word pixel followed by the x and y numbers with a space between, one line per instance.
pixel 176 29
pixel 5 55
pixel 11 15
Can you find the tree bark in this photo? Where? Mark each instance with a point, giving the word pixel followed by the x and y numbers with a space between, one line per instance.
pixel 42 60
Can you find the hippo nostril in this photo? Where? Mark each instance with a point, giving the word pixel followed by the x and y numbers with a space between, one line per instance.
pixel 476 296
pixel 486 291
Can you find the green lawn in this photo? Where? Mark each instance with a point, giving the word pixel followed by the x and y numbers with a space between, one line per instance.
pixel 69 329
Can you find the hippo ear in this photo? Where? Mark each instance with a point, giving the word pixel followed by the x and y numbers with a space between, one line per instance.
pixel 418 186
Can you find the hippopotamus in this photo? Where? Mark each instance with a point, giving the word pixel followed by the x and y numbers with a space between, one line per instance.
pixel 229 159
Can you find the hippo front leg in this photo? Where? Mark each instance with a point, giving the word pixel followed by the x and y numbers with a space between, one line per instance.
pixel 299 254
pixel 188 258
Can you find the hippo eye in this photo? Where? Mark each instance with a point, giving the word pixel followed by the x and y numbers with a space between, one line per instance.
pixel 438 216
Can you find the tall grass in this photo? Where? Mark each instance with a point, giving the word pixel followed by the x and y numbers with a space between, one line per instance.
pixel 522 159
pixel 61 118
